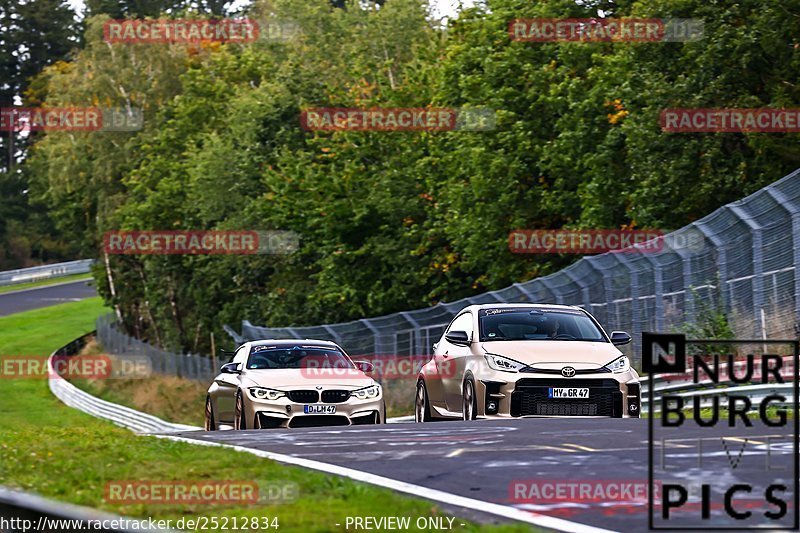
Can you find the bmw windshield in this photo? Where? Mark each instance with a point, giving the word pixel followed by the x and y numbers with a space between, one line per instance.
pixel 274 358
pixel 525 323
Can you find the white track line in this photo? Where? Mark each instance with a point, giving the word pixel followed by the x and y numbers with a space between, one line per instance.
pixel 145 423
pixel 504 511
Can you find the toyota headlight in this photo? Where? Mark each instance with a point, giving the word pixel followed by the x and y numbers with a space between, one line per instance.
pixel 262 393
pixel 503 364
pixel 367 393
pixel 619 365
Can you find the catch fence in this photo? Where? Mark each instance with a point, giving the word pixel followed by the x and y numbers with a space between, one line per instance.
pixel 186 365
pixel 740 261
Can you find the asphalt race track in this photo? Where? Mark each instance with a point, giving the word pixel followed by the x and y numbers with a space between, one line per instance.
pixel 27 299
pixel 483 460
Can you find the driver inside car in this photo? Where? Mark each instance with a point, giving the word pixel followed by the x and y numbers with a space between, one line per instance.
pixel 551 328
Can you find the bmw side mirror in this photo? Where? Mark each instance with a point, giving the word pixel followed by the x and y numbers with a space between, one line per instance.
pixel 619 338
pixel 230 368
pixel 364 366
pixel 457 337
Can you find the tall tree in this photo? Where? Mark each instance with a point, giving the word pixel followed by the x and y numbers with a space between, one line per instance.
pixel 397 220
pixel 120 9
pixel 33 35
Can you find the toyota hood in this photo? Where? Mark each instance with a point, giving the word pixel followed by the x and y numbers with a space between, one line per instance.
pixel 583 354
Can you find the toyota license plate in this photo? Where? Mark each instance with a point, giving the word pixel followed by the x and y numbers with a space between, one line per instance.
pixel 319 409
pixel 567 392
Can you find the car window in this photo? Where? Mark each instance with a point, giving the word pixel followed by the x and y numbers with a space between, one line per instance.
pixel 296 357
pixel 240 355
pixel 462 323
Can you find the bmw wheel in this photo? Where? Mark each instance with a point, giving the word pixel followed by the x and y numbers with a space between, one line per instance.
pixel 239 421
pixel 421 408
pixel 210 424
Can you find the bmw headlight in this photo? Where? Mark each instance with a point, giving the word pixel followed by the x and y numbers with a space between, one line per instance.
pixel 619 365
pixel 367 393
pixel 262 393
pixel 503 364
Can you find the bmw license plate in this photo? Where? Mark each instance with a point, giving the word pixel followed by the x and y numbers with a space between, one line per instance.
pixel 570 392
pixel 319 409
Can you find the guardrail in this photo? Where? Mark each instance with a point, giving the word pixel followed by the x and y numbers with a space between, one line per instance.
pixel 22 511
pixel 83 401
pixel 755 393
pixel 38 273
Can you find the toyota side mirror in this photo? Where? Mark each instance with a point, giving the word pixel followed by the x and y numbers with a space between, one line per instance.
pixel 457 337
pixel 230 368
pixel 365 366
pixel 619 338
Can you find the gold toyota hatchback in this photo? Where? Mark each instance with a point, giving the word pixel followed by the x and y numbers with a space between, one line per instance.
pixel 514 360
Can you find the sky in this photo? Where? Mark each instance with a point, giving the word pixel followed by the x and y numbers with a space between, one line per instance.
pixel 442 8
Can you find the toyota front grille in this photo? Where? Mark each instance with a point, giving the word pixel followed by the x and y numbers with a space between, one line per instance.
pixel 530 398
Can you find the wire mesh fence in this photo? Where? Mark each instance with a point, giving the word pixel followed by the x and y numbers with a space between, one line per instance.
pixel 190 366
pixel 740 261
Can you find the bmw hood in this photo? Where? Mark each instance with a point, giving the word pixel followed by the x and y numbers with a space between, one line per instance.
pixel 555 353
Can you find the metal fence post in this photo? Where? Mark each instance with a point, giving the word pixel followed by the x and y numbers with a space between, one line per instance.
pixel 550 287
pixel 525 291
pixel 722 265
pixel 793 210
pixel 689 314
pixel 376 335
pixel 608 293
pixel 758 265
pixel 332 332
pixel 636 311
pixel 658 291
pixel 582 284
pixel 417 332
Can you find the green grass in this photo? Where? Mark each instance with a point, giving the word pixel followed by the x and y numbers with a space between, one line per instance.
pixel 61 453
pixel 52 281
